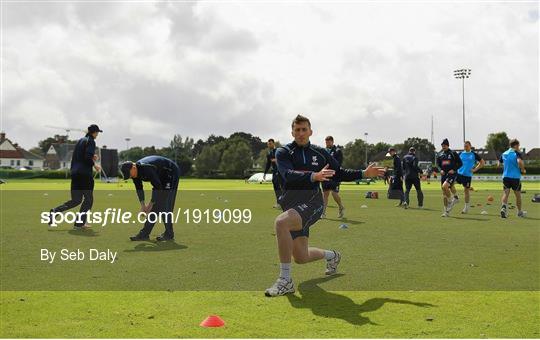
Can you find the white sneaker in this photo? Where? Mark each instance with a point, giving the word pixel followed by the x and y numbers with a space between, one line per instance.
pixel 341 213
pixel 465 210
pixel 323 216
pixel 522 213
pixel 331 265
pixel 452 203
pixel 405 205
pixel 280 287
pixel 445 214
pixel 504 212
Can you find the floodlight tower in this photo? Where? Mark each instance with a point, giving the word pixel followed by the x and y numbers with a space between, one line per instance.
pixel 463 74
pixel 365 135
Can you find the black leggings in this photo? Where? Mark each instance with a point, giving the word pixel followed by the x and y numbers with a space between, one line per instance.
pixel 276 182
pixel 409 182
pixel 82 187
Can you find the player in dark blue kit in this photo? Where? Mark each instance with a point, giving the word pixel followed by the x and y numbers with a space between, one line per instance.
pixel 410 173
pixel 302 167
pixel 472 162
pixel 271 163
pixel 163 174
pixel 82 180
pixel 448 162
pixel 397 179
pixel 333 186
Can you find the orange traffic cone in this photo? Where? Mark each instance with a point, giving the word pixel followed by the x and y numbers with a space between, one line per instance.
pixel 212 321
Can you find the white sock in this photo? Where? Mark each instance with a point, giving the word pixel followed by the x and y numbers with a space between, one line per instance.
pixel 467 205
pixel 285 270
pixel 329 255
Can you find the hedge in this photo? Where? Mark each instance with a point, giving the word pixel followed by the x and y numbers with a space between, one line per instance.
pixel 531 170
pixel 12 173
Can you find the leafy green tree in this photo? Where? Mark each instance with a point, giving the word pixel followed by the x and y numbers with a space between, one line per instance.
pixel 38 151
pixel 200 144
pixel 45 144
pixel 236 158
pixel 424 149
pixel 354 154
pixel 376 148
pixel 132 154
pixel 181 152
pixel 254 142
pixel 208 161
pixel 498 141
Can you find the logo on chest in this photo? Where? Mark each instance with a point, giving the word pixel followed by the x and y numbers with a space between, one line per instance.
pixel 314 161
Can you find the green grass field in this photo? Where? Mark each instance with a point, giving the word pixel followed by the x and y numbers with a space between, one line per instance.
pixel 405 273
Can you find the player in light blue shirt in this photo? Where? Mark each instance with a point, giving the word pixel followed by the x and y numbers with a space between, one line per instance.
pixel 472 162
pixel 513 168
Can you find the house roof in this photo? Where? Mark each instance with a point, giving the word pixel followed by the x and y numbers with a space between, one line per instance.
pixel 11 154
pixel 533 153
pixel 16 152
pixel 30 155
pixel 63 151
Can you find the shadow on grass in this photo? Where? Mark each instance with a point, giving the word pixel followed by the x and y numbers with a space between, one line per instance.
pixel 470 218
pixel 422 209
pixel 84 232
pixel 344 220
pixel 331 305
pixel 156 246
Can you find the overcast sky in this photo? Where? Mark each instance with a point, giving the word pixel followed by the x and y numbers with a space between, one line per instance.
pixel 150 70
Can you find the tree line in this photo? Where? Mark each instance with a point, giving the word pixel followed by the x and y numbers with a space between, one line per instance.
pixel 238 154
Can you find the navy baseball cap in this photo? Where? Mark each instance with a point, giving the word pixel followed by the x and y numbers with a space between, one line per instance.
pixel 94 128
pixel 125 169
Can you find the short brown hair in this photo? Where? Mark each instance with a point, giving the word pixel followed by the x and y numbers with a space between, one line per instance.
pixel 513 142
pixel 468 142
pixel 329 138
pixel 300 119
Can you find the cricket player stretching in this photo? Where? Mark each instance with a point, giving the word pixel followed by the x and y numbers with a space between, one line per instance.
pixel 448 162
pixel 513 168
pixel 472 162
pixel 302 166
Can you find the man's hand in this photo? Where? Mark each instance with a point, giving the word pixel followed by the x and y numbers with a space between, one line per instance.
pixel 324 175
pixel 97 167
pixel 146 208
pixel 451 172
pixel 373 171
